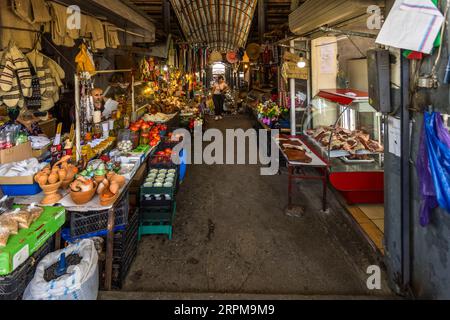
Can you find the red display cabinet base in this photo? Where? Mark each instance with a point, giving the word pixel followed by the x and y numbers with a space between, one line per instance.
pixel 359 187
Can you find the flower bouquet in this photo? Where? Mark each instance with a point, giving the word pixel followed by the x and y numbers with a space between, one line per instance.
pixel 269 113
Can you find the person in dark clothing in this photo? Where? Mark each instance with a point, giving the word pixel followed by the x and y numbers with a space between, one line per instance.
pixel 219 89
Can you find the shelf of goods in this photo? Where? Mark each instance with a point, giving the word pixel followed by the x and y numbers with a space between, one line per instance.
pixel 347 131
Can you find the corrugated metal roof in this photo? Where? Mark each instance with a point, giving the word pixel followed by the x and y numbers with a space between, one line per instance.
pixel 222 24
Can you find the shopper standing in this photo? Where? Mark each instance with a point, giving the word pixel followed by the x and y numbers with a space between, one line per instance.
pixel 219 89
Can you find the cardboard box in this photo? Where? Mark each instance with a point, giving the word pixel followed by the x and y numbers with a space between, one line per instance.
pixel 37 153
pixel 20 247
pixel 48 127
pixel 17 180
pixel 18 153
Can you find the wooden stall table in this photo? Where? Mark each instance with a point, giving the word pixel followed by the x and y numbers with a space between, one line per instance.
pixel 91 206
pixel 297 171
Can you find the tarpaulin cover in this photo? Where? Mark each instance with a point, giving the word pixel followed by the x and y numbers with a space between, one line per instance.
pixel 433 166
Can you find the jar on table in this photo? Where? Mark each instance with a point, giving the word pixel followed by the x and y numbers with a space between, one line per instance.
pixel 145 138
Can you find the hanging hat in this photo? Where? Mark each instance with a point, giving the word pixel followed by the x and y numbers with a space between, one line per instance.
pixel 232 57
pixel 215 56
pixel 253 51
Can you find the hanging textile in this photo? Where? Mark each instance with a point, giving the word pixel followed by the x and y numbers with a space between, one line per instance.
pixel 85 61
pixel 433 166
pixel 23 39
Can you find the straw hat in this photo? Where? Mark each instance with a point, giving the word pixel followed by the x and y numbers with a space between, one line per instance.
pixel 215 56
pixel 253 51
pixel 232 57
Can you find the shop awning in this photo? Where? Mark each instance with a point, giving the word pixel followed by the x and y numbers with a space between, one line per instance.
pixel 314 14
pixel 221 24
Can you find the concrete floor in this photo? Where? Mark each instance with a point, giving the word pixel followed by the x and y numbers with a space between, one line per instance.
pixel 231 237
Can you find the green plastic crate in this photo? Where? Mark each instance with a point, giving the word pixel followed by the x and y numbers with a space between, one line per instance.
pixel 153 225
pixel 21 246
pixel 160 190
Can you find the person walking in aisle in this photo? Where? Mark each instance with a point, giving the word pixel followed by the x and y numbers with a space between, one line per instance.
pixel 219 89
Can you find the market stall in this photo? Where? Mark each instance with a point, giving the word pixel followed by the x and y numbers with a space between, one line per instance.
pixel 347 131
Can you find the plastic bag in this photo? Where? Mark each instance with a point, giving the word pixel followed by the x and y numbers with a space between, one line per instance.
pixel 23 218
pixel 80 283
pixel 433 166
pixel 10 224
pixel 4 236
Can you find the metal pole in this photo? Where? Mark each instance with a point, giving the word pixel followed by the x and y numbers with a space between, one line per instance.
pixel 77 118
pixel 405 176
pixel 292 95
pixel 133 105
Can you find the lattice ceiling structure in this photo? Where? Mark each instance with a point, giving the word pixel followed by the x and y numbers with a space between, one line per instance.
pixel 221 24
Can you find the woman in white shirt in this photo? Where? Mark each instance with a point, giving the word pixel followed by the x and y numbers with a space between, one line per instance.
pixel 219 89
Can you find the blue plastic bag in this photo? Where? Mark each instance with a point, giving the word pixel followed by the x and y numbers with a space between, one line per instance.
pixel 433 166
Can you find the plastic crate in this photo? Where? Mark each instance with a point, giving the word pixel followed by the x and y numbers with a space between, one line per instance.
pixel 13 286
pixel 65 234
pixel 21 190
pixel 157 222
pixel 126 239
pixel 158 213
pixel 85 223
pixel 125 250
pixel 160 190
pixel 120 270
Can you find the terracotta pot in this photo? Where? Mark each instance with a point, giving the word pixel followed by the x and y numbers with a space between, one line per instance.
pixel 120 180
pixel 83 197
pixel 107 198
pixel 99 179
pixel 51 193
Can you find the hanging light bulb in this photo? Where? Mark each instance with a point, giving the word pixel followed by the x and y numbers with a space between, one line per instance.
pixel 165 68
pixel 302 62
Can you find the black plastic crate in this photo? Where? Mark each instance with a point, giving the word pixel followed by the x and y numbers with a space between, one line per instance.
pixel 120 270
pixel 151 201
pixel 159 215
pixel 127 239
pixel 82 223
pixel 13 285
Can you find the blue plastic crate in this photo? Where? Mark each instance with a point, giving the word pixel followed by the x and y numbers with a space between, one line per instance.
pixel 21 189
pixel 65 234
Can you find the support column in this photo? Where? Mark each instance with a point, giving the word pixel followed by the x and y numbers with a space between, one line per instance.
pixel 166 16
pixel 292 96
pixel 261 20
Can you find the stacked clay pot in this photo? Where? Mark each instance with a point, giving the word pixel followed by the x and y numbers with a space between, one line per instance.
pixel 109 189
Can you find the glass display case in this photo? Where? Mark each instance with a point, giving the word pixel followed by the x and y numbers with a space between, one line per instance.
pixel 348 132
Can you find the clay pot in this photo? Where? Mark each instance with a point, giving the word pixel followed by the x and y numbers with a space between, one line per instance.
pixel 83 197
pixel 51 193
pixel 107 198
pixel 99 179
pixel 62 174
pixel 120 180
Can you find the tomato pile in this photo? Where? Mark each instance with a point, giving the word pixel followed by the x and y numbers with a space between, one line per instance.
pixel 149 130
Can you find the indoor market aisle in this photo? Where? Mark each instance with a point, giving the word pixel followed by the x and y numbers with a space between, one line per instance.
pixel 232 236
